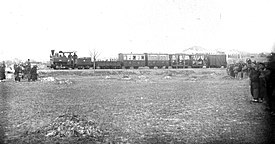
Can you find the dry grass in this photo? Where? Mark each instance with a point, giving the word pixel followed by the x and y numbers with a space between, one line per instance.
pixel 192 106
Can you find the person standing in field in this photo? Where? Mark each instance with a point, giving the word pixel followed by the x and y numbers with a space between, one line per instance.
pixel 17 71
pixel 248 64
pixel 28 69
pixel 245 71
pixel 254 82
pixel 230 70
pixel 34 73
pixel 236 70
pixel 2 71
pixel 271 83
pixel 262 81
pixel 267 98
pixel 4 67
pixel 241 72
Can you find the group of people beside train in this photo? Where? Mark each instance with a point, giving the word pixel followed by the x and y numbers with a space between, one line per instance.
pixel 261 79
pixel 240 69
pixel 262 83
pixel 21 71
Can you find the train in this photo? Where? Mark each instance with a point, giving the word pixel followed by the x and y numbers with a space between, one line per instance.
pixel 69 60
pixel 66 60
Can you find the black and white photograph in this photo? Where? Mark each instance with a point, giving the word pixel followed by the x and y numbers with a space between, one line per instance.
pixel 137 72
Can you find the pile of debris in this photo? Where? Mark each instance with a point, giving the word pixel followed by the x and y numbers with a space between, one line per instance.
pixel 167 77
pixel 55 80
pixel 142 77
pixel 126 77
pixel 110 77
pixel 70 125
pixel 47 79
pixel 62 81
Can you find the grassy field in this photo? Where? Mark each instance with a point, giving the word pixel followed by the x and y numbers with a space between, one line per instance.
pixel 137 106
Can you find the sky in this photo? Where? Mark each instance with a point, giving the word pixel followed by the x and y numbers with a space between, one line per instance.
pixel 31 28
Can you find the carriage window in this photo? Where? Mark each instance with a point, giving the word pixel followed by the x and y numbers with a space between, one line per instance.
pixel 142 57
pixel 174 57
pixel 134 57
pixel 181 57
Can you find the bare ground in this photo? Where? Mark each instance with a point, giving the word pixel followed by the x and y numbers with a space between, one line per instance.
pixel 138 106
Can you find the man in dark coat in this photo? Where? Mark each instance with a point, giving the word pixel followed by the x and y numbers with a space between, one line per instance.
pixel 34 73
pixel 262 81
pixel 17 71
pixel 254 83
pixel 271 82
pixel 236 70
pixel 2 71
pixel 4 67
pixel 27 70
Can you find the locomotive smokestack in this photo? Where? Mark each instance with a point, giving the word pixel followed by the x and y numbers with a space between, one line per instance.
pixel 52 52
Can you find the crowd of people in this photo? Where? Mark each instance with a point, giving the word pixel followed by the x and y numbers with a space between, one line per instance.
pixel 239 70
pixel 261 79
pixel 21 71
pixel 262 83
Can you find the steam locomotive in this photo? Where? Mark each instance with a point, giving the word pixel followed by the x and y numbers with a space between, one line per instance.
pixel 67 60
